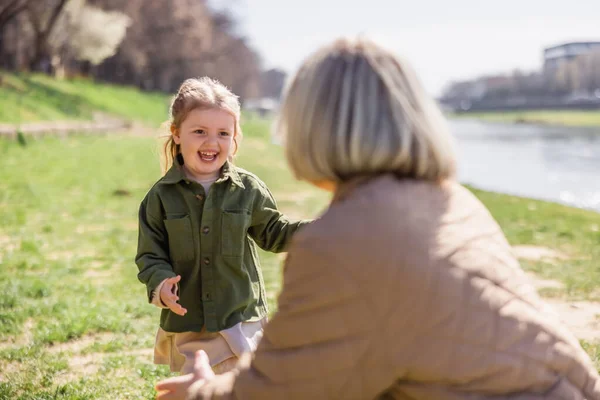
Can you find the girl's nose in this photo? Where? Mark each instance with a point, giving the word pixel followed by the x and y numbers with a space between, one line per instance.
pixel 212 139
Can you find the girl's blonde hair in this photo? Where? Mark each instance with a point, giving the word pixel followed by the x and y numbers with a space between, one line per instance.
pixel 203 93
pixel 354 108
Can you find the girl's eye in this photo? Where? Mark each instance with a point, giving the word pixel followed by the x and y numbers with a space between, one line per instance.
pixel 199 131
pixel 223 133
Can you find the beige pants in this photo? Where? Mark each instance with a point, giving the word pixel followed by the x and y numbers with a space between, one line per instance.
pixel 178 350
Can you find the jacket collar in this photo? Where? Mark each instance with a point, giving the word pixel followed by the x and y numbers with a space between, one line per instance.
pixel 175 174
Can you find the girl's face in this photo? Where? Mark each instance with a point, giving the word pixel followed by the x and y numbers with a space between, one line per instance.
pixel 205 137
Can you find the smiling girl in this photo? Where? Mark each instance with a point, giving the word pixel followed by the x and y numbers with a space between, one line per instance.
pixel 199 226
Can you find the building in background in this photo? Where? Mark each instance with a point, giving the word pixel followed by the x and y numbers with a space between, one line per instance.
pixel 556 56
pixel 463 94
pixel 569 79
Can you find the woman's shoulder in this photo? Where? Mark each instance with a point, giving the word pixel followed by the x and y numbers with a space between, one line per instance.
pixel 387 193
pixel 389 219
pixel 387 205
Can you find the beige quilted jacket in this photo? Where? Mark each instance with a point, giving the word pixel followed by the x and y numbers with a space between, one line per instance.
pixel 408 290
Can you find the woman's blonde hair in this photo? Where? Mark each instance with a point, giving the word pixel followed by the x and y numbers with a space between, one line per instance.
pixel 203 93
pixel 354 108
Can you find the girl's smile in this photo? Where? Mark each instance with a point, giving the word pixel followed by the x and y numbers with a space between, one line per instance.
pixel 208 156
pixel 205 137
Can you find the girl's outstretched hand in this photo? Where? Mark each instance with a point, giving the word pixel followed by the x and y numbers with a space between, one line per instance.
pixel 176 388
pixel 168 295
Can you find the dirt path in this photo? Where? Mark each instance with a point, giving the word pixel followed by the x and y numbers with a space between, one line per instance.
pixel 582 317
pixel 100 123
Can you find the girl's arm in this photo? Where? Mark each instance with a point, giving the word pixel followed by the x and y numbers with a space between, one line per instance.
pixel 152 256
pixel 270 229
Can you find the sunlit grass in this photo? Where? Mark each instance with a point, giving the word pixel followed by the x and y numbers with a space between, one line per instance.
pixel 72 311
pixel 67 240
pixel 554 117
pixel 37 97
pixel 74 320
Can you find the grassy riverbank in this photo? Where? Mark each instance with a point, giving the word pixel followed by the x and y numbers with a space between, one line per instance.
pixel 74 321
pixel 574 118
pixel 573 234
pixel 37 97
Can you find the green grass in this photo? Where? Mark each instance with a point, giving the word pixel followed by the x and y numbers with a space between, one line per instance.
pixel 548 117
pixel 74 321
pixel 571 231
pixel 72 312
pixel 37 97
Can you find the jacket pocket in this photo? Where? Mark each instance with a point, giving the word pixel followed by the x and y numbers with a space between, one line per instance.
pixel 181 240
pixel 234 228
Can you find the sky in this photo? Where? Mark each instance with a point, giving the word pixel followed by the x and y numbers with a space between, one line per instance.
pixel 444 40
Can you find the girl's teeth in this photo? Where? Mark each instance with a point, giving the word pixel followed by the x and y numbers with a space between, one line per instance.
pixel 208 156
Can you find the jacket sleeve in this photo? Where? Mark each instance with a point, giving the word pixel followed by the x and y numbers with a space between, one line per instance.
pixel 270 229
pixel 152 256
pixel 325 342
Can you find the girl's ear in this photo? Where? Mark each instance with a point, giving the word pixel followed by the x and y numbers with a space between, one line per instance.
pixel 236 139
pixel 175 134
pixel 235 143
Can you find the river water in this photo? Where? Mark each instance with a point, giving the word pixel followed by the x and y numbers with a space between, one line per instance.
pixel 551 163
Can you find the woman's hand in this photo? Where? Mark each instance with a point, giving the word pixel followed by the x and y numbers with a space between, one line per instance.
pixel 176 388
pixel 168 295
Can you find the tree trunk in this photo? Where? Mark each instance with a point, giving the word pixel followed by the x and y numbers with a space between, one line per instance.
pixel 3 57
pixel 41 61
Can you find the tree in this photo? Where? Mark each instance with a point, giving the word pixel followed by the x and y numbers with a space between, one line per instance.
pixel 9 10
pixel 272 83
pixel 153 44
pixel 169 41
pixel 43 15
pixel 87 33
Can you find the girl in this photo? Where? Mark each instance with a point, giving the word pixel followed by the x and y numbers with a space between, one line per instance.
pixel 198 230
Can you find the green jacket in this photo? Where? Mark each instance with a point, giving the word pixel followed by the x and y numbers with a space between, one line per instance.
pixel 210 240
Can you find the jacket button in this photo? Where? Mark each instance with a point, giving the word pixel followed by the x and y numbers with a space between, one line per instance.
pixel 205 230
pixel 206 260
pixel 199 197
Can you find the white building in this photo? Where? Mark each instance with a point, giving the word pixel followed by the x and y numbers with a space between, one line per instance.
pixel 554 56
